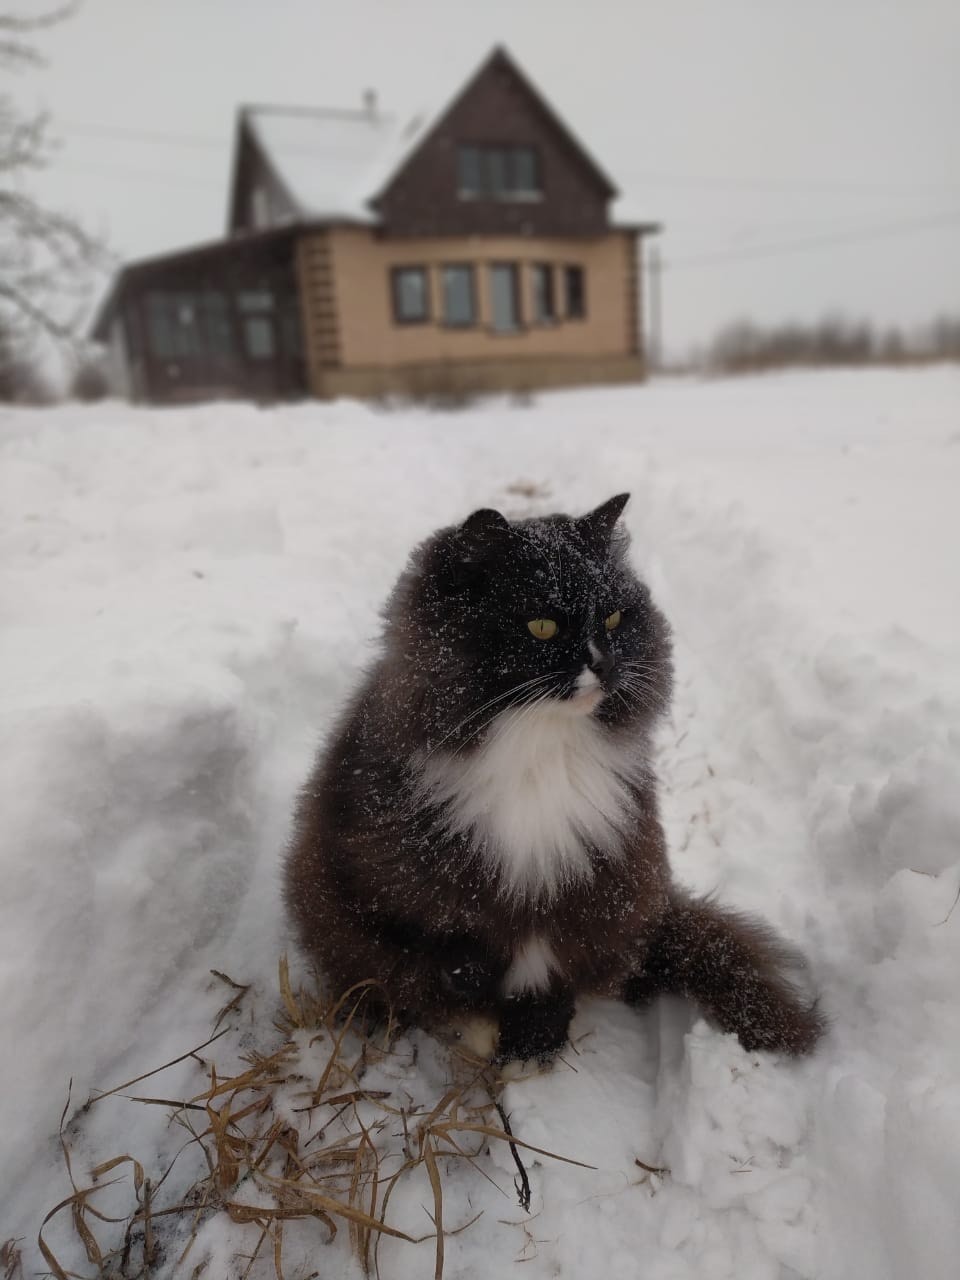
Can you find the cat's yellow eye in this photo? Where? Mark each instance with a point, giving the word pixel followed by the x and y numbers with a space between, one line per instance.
pixel 543 628
pixel 613 621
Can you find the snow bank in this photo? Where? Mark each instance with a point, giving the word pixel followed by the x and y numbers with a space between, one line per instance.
pixel 187 595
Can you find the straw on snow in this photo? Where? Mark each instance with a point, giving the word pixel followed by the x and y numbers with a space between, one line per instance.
pixel 258 1170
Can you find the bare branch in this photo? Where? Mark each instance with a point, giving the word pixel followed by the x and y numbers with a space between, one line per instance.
pixel 16 55
pixel 38 22
pixel 47 259
pixel 25 306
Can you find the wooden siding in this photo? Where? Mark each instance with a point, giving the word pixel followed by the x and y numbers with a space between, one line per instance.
pixel 252 170
pixel 226 367
pixel 456 381
pixel 497 108
pixel 318 302
pixel 634 301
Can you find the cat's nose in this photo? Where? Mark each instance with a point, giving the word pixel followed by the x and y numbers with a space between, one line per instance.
pixel 600 663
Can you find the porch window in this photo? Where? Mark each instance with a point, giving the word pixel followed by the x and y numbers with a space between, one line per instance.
pixel 411 299
pixel 459 305
pixel 576 292
pixel 505 297
pixel 544 305
pixel 255 300
pixel 216 323
pixel 256 307
pixel 258 337
pixel 173 325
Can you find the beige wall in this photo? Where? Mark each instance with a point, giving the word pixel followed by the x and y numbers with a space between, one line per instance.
pixel 367 336
pixel 460 380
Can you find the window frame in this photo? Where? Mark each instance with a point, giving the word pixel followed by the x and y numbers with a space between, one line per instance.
pixel 471 269
pixel 515 267
pixel 508 192
pixel 545 319
pixel 163 311
pixel 261 321
pixel 568 312
pixel 395 273
pixel 527 193
pixel 465 192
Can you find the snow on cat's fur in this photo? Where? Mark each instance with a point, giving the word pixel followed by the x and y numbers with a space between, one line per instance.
pixel 482 835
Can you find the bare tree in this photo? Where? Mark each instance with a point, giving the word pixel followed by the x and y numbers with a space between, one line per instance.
pixel 46 258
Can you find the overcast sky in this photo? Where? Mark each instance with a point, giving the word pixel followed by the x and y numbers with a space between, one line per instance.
pixel 752 129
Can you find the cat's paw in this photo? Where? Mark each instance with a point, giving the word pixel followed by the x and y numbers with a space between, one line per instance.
pixel 534 1028
pixel 477 1035
pixel 521 1069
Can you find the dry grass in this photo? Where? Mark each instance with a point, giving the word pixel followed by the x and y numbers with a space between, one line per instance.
pixel 292 1137
pixel 10 1260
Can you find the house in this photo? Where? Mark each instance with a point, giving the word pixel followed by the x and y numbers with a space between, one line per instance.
pixel 473 250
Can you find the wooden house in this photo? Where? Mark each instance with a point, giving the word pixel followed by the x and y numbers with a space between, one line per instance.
pixel 470 251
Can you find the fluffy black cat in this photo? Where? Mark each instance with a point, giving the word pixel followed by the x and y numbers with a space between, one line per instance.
pixel 481 834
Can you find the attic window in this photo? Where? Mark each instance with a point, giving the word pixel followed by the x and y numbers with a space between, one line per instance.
pixel 498 173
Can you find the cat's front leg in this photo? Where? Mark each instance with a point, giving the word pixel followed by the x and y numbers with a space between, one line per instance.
pixel 535 1025
pixel 469 971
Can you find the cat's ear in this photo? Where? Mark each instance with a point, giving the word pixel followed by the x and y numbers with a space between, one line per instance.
pixel 464 557
pixel 598 525
pixel 483 527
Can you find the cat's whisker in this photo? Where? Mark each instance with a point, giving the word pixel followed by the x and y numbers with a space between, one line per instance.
pixel 534 702
pixel 526 684
pixel 644 694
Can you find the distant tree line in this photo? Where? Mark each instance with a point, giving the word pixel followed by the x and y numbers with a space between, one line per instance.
pixel 746 347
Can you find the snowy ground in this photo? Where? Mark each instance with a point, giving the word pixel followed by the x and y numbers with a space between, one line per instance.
pixel 186 597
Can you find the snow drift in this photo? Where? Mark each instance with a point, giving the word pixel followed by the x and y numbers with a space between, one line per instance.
pixel 186 598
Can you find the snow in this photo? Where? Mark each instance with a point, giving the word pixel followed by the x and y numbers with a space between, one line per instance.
pixel 331 162
pixel 188 595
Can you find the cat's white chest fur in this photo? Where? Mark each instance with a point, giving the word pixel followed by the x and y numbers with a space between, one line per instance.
pixel 548 785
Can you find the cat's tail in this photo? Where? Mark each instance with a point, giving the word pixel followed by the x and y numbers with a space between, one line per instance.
pixel 735 968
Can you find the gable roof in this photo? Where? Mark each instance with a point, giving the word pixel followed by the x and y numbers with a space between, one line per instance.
pixel 336 164
pixel 325 160
pixel 428 124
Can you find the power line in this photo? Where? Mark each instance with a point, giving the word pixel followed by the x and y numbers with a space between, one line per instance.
pixel 811 185
pixel 786 247
pixel 788 187
pixel 126 173
pixel 120 134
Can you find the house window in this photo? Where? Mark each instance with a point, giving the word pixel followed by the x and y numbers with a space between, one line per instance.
pixel 189 326
pixel 258 336
pixel 459 305
pixel 544 305
pixel 576 292
pixel 173 325
pixel 498 173
pixel 525 175
pixel 255 300
pixel 504 297
pixel 256 306
pixel 469 172
pixel 411 303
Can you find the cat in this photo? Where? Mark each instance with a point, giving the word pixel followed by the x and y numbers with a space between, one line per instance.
pixel 482 835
